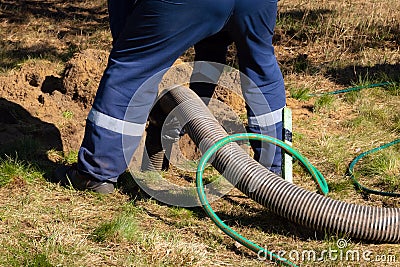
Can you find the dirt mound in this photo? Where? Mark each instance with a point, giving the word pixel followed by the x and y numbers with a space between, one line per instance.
pixel 49 102
pixel 82 75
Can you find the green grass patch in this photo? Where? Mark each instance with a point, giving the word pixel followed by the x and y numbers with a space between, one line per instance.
pixel 352 97
pixel 394 89
pixel 124 227
pixel 381 169
pixel 13 169
pixel 340 186
pixel 302 94
pixel 67 114
pixel 324 102
pixel 70 157
pixel 38 260
pixel 182 217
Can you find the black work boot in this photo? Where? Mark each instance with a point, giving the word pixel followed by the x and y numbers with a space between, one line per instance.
pixel 69 176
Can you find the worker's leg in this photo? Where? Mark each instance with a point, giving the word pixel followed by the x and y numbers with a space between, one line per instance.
pixel 252 28
pixel 206 74
pixel 118 11
pixel 155 34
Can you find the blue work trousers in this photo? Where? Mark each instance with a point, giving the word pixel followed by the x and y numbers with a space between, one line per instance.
pixel 148 38
pixel 268 116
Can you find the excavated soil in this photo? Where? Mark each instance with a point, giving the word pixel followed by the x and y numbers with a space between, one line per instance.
pixel 49 102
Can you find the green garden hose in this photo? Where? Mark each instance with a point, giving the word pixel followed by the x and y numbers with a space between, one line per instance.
pixel 363 188
pixel 355 88
pixel 317 176
pixel 323 187
pixel 279 196
pixel 353 163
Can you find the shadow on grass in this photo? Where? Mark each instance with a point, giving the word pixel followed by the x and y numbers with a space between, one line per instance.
pixel 61 20
pixel 26 138
pixel 300 27
pixel 12 54
pixel 349 75
pixel 55 9
pixel 261 218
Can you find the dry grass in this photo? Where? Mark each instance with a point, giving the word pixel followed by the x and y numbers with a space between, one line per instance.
pixel 322 45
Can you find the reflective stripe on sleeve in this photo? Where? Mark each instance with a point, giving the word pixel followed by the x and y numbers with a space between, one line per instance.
pixel 267 119
pixel 116 125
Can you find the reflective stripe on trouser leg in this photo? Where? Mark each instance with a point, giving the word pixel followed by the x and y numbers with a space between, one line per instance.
pixel 106 161
pixel 269 124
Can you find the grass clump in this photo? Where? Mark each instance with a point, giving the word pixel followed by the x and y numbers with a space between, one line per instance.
pixel 124 227
pixel 20 257
pixel 352 97
pixel 70 157
pixel 324 102
pixel 39 260
pixel 12 169
pixel 67 114
pixel 382 169
pixel 182 217
pixel 394 89
pixel 302 94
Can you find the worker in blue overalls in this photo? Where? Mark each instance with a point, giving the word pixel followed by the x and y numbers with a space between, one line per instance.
pixel 149 36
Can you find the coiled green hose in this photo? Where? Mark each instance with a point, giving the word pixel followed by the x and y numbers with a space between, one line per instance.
pixel 323 187
pixel 353 163
pixel 363 188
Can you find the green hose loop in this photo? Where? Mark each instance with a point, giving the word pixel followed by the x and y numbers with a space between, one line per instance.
pixel 317 176
pixel 353 163
pixel 363 188
pixel 225 228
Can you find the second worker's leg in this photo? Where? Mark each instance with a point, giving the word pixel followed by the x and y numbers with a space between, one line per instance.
pixel 252 28
pixel 206 73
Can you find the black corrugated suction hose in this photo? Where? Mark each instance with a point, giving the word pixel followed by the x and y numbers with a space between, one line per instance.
pixel 154 158
pixel 283 198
